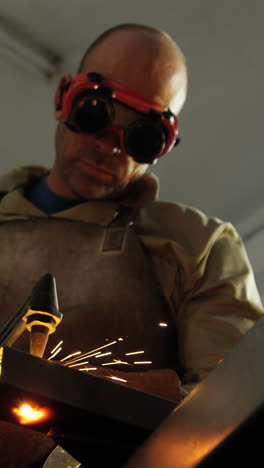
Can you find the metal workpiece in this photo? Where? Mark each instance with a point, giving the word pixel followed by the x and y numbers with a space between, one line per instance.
pixel 222 416
pixel 96 420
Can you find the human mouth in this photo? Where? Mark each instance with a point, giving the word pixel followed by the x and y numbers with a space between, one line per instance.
pixel 95 169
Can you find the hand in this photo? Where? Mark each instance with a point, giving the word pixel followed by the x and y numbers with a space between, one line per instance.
pixel 21 447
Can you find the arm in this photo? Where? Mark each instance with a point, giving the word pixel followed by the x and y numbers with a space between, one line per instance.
pixel 217 304
pixel 23 447
pixel 219 309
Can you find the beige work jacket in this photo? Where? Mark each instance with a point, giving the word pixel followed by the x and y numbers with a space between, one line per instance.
pixel 200 261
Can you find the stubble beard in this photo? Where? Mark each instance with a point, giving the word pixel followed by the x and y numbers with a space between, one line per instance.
pixel 87 186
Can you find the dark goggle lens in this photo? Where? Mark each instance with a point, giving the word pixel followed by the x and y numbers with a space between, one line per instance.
pixel 144 141
pixel 90 114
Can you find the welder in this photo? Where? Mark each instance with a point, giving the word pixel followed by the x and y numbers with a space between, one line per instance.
pixel 124 262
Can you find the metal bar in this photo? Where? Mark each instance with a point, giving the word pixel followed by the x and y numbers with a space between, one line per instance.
pixel 15 326
pixel 217 408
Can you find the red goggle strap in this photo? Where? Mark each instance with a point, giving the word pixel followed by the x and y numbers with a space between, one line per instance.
pixel 63 85
pixel 119 92
pixel 172 131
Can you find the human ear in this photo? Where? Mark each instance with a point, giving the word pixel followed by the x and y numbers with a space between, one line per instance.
pixel 58 96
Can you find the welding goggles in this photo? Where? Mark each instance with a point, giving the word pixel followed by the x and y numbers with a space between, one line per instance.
pixel 87 103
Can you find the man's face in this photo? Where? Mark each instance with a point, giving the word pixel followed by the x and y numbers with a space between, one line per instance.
pixel 94 166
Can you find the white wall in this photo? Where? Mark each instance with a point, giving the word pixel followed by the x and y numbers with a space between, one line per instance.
pixel 27 125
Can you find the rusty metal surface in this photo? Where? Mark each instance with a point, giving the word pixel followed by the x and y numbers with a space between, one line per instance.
pixel 212 412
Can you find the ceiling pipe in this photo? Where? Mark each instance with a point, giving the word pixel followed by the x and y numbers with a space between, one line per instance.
pixel 17 46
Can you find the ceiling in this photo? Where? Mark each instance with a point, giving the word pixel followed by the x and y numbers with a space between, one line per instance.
pixel 218 166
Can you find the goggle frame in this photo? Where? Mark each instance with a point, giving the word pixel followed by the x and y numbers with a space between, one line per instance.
pixel 70 88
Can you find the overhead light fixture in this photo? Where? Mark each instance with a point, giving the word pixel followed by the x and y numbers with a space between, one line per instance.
pixel 18 47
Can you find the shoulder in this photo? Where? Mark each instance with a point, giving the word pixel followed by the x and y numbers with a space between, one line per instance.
pixel 189 227
pixel 20 176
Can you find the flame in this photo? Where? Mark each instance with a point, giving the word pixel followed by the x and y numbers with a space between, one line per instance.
pixel 26 414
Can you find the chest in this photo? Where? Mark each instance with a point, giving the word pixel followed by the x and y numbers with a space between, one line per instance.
pixel 106 282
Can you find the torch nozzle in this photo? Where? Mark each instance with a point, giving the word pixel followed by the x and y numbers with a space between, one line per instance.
pixel 38 340
pixel 40 315
pixel 43 314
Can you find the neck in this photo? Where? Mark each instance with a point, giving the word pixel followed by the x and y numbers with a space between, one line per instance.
pixel 57 186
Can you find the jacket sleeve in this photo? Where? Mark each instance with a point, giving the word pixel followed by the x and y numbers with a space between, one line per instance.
pixel 220 307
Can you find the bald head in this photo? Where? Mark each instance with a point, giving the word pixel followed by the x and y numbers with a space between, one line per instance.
pixel 144 59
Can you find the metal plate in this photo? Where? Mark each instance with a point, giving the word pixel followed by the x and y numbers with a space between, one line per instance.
pixel 218 411
pixel 90 416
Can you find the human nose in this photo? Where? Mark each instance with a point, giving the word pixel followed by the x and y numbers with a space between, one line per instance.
pixel 108 141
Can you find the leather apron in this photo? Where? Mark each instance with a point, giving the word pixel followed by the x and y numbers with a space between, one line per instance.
pixel 106 285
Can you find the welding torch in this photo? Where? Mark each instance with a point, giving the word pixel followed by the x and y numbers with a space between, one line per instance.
pixel 40 315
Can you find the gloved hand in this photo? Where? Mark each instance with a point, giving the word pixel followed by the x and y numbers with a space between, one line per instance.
pixel 21 447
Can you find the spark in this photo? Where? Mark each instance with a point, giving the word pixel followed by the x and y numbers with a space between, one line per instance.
pixel 89 354
pixel 163 324
pixel 104 346
pixel 101 355
pixel 134 352
pixel 120 339
pixel 110 363
pixel 143 362
pixel 115 361
pixel 88 368
pixel 79 364
pixel 116 378
pixel 57 346
pixel 70 355
pixel 55 354
pixel 121 362
pixel 83 356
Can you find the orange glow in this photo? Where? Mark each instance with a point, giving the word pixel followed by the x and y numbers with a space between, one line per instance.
pixel 26 414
